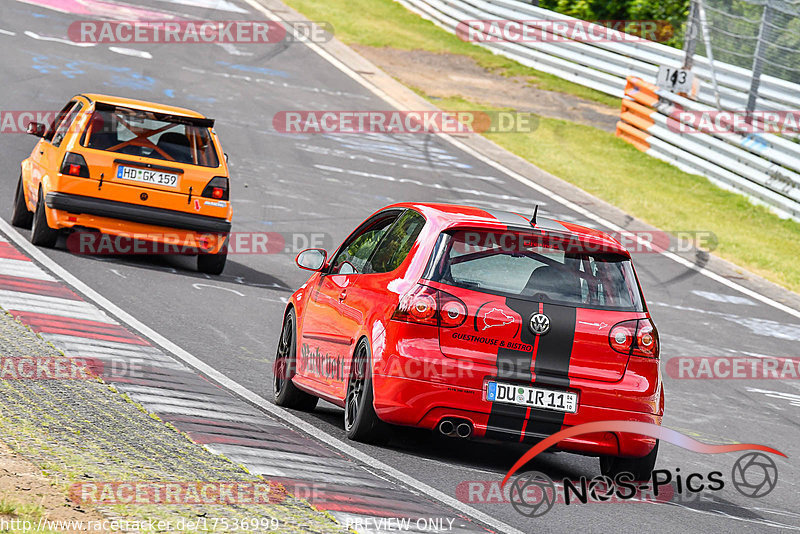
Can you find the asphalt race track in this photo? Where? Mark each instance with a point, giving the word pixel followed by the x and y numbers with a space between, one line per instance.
pixel 326 184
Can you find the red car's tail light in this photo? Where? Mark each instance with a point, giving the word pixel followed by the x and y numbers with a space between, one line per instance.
pixel 635 338
pixel 74 165
pixel 646 340
pixel 217 188
pixel 622 335
pixel 418 306
pixel 426 305
pixel 452 312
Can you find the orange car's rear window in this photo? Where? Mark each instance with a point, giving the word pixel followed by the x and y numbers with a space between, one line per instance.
pixel 151 135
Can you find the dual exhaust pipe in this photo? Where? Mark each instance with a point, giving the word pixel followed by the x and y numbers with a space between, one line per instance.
pixel 455 428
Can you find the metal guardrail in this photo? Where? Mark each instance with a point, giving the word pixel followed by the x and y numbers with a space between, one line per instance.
pixel 604 65
pixel 766 167
pixel 651 121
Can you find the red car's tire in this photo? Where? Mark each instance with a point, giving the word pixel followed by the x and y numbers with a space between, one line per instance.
pixel 284 392
pixel 21 217
pixel 361 423
pixel 640 468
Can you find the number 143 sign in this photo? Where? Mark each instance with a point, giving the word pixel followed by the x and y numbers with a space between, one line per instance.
pixel 677 81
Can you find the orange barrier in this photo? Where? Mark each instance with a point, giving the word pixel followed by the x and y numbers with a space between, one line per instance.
pixel 641 91
pixel 635 114
pixel 634 136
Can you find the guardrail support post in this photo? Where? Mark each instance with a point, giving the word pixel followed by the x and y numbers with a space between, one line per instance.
pixel 758 62
pixel 690 39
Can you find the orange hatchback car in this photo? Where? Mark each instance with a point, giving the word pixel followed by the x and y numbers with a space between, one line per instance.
pixel 128 168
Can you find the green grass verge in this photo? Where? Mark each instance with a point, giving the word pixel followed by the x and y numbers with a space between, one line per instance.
pixel 385 23
pixel 595 161
pixel 19 516
pixel 657 193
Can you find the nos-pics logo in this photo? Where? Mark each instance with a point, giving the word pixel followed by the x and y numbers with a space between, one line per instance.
pixel 534 493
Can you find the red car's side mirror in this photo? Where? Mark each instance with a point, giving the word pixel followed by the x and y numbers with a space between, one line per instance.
pixel 312 259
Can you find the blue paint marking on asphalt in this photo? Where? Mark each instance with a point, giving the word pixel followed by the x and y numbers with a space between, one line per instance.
pixel 70 68
pixel 259 70
pixel 132 81
pixel 42 64
pixel 203 99
pixel 169 93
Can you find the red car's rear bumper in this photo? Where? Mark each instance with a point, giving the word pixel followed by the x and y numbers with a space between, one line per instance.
pixel 415 385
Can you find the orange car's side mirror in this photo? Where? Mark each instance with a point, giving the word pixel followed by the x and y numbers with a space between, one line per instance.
pixel 36 128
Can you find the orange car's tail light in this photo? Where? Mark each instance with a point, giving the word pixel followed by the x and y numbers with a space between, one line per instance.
pixel 635 338
pixel 74 165
pixel 426 305
pixel 217 188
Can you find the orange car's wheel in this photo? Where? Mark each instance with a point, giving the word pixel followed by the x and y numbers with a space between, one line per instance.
pixel 21 217
pixel 41 233
pixel 213 263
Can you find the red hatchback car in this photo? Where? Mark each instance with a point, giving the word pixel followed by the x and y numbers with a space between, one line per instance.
pixel 476 323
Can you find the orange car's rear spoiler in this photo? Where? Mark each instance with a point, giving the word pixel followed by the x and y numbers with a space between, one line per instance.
pixel 202 122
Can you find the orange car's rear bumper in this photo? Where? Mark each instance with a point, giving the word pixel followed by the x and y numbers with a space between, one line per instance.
pixel 136 222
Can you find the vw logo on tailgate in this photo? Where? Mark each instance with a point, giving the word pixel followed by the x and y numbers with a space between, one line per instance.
pixel 539 324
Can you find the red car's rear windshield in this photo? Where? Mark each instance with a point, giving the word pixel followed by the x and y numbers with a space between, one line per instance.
pixel 151 135
pixel 536 267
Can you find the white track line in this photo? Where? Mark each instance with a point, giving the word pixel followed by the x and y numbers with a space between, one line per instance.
pixel 533 185
pixel 58 40
pixel 243 392
pixel 131 52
